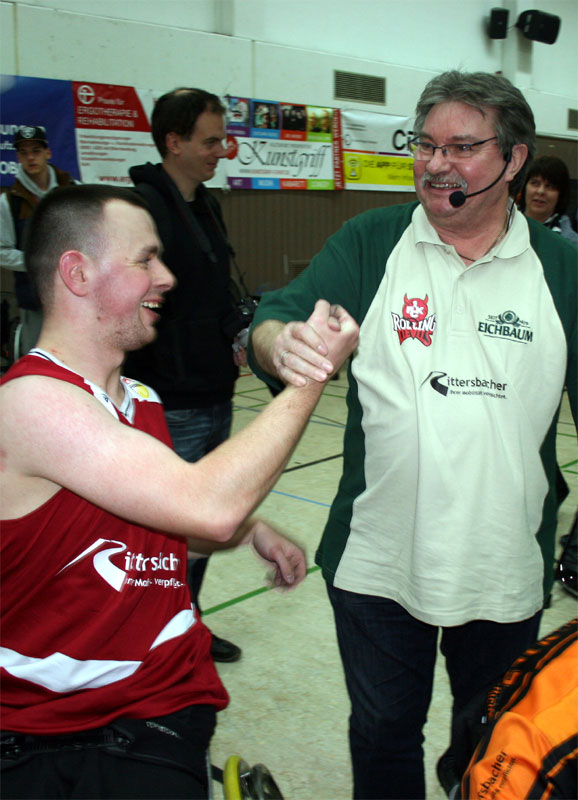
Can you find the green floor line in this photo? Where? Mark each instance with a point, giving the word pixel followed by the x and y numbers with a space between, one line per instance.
pixel 569 464
pixel 248 596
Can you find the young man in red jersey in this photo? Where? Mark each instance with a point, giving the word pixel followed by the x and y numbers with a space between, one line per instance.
pixel 109 689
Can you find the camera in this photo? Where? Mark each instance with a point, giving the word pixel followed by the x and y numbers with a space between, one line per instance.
pixel 240 316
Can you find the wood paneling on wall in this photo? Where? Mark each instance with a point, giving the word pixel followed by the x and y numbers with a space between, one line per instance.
pixel 276 233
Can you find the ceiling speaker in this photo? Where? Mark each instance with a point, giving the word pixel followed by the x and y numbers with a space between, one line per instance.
pixel 539 26
pixel 498 27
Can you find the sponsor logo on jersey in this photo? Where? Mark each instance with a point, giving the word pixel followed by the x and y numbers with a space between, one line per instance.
pixel 142 390
pixel 132 562
pixel 506 325
pixel 414 322
pixel 445 385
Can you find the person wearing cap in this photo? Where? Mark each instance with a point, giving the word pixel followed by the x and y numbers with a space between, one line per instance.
pixel 34 178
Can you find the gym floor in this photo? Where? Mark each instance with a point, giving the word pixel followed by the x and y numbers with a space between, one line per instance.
pixel 289 706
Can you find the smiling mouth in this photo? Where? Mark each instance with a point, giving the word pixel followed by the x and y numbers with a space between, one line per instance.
pixel 152 306
pixel 444 185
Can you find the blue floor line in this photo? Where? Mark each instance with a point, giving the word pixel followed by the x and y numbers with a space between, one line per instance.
pixel 296 497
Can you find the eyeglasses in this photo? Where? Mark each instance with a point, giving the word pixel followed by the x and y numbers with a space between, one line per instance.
pixel 423 151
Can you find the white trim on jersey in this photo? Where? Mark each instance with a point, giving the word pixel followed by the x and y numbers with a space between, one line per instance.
pixel 61 673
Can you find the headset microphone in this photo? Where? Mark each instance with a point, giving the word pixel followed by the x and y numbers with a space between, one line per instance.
pixel 458 198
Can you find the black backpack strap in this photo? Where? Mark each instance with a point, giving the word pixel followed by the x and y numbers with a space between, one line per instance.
pixel 159 211
pixel 162 216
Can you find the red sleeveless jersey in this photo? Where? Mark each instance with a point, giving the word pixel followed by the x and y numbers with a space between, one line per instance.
pixel 97 620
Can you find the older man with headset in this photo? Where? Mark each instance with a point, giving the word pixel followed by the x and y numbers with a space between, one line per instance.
pixel 446 512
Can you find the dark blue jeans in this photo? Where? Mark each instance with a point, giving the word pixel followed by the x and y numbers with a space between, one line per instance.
pixel 195 432
pixel 388 658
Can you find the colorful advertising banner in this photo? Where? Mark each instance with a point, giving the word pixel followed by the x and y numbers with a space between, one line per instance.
pixel 95 131
pixel 375 151
pixel 98 131
pixel 36 101
pixel 112 131
pixel 276 145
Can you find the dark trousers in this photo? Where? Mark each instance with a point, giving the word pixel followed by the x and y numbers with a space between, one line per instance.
pixel 195 432
pixel 92 774
pixel 388 658
pixel 162 758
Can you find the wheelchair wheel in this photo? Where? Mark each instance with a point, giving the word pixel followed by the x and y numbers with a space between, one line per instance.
pixel 264 785
pixel 241 782
pixel 235 769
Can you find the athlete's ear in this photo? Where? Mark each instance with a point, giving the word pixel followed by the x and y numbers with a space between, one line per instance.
pixel 73 268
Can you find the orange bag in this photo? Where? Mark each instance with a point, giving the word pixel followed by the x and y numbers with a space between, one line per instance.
pixel 530 746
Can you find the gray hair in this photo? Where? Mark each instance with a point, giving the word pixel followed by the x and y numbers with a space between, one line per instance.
pixel 482 90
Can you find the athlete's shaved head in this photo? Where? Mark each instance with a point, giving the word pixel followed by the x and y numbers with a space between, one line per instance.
pixel 68 218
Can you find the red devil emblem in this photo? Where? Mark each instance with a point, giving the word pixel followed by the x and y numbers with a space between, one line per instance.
pixel 415 308
pixel 414 322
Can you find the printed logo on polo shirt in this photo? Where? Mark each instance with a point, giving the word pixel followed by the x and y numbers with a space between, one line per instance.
pixel 506 325
pixel 135 564
pixel 446 385
pixel 414 322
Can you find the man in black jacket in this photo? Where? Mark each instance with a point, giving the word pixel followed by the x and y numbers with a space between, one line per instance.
pixel 191 364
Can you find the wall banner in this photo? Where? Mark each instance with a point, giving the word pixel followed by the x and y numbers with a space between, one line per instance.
pixel 37 101
pixel 95 131
pixel 375 151
pixel 275 145
pixel 112 131
pixel 98 131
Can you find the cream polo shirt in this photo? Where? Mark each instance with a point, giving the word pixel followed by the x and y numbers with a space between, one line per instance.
pixel 454 413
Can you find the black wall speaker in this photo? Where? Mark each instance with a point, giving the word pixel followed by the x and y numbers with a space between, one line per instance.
pixel 539 26
pixel 498 27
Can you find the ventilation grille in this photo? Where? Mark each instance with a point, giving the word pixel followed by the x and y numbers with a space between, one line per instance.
pixel 573 119
pixel 294 267
pixel 363 88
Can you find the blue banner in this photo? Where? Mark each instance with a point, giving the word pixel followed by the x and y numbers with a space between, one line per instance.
pixel 37 101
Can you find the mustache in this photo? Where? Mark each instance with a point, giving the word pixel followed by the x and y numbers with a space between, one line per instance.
pixel 428 177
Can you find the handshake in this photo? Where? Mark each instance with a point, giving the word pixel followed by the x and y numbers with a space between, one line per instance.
pixel 298 352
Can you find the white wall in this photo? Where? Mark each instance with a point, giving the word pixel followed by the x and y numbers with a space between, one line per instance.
pixel 288 49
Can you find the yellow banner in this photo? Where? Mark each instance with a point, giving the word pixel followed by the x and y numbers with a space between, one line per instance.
pixel 367 170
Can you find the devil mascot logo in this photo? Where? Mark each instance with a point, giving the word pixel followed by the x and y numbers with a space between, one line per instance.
pixel 414 322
